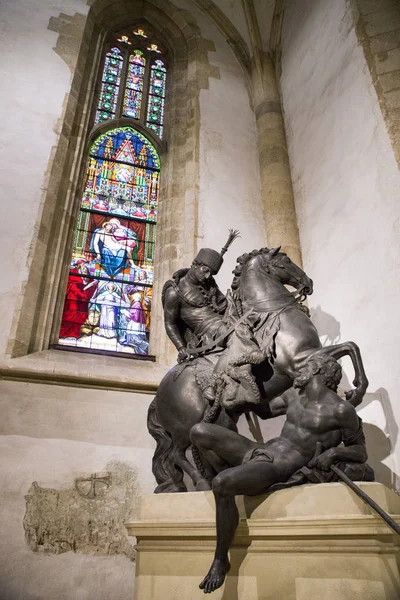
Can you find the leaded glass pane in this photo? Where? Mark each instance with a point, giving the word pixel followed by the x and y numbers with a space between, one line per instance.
pixel 124 39
pixel 155 108
pixel 109 290
pixel 109 86
pixel 134 85
pixel 140 33
pixel 154 48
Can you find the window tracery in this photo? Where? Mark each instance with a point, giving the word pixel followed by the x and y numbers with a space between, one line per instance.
pixel 109 290
pixel 133 81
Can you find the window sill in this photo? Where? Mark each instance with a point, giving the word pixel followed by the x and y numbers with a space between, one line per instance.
pixel 77 369
pixel 148 357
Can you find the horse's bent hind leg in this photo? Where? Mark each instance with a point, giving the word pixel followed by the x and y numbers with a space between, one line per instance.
pixel 199 482
pixel 360 380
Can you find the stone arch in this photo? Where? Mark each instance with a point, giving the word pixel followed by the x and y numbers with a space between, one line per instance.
pixel 38 316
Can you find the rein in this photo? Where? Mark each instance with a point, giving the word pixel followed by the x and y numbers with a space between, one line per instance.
pixel 295 299
pixel 220 338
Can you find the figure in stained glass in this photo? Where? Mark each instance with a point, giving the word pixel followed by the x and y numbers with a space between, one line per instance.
pixel 134 333
pixel 110 253
pixel 138 211
pixel 109 300
pixel 134 85
pixel 101 203
pixel 80 289
pixel 126 237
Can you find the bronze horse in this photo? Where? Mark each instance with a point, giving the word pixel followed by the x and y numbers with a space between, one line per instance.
pixel 259 284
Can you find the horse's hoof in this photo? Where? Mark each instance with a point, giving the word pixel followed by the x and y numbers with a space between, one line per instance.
pixel 203 486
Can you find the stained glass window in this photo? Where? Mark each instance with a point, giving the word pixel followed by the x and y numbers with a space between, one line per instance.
pixel 155 108
pixel 132 82
pixel 134 85
pixel 140 32
pixel 124 39
pixel 154 48
pixel 109 86
pixel 109 291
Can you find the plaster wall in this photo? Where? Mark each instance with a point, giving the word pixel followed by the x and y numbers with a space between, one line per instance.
pixel 35 81
pixel 346 184
pixel 52 434
pixel 229 186
pixel 229 195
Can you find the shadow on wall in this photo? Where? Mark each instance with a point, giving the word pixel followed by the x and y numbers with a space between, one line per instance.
pixel 380 439
pixel 327 326
pixel 379 425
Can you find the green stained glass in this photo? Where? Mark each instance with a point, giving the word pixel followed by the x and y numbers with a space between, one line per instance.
pixel 156 102
pixel 110 86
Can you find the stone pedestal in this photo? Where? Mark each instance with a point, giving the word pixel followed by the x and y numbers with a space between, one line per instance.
pixel 313 542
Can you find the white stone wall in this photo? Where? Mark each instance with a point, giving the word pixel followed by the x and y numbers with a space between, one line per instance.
pixel 229 188
pixel 52 434
pixel 346 185
pixel 34 82
pixel 229 169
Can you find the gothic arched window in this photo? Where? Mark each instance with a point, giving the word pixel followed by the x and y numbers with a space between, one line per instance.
pixel 109 290
pixel 133 80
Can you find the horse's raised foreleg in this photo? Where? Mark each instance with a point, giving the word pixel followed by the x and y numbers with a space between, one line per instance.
pixel 360 381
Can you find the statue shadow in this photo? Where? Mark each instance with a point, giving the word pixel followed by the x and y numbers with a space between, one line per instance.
pixel 327 326
pixel 380 441
pixel 237 556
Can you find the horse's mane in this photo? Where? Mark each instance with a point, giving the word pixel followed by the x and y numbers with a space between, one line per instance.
pixel 243 260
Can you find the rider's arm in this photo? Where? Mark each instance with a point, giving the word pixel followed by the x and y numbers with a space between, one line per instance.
pixel 172 320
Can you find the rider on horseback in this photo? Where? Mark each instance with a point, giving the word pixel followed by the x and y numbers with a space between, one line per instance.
pixel 197 313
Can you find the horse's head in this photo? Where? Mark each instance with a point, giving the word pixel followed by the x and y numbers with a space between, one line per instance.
pixel 279 265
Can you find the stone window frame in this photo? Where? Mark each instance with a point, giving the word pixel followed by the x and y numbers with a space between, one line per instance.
pixel 37 316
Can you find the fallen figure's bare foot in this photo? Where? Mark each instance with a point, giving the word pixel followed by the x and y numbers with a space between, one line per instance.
pixel 215 576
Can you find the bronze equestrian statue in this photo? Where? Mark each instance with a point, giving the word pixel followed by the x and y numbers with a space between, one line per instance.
pixel 237 354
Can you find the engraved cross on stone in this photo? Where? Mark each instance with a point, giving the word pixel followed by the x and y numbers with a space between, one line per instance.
pixel 94 480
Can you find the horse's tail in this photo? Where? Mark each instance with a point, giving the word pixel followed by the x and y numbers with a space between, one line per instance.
pixel 168 475
pixel 199 463
pixel 210 416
